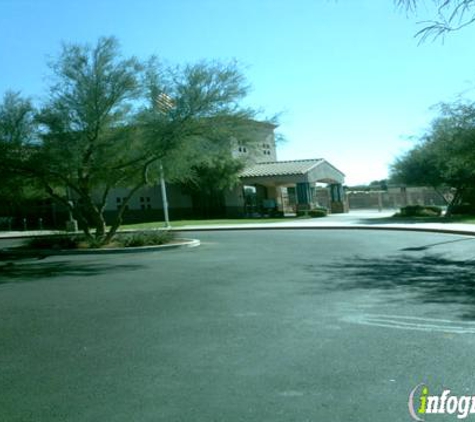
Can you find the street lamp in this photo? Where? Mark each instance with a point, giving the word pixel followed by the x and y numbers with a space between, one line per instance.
pixel 164 197
pixel 164 104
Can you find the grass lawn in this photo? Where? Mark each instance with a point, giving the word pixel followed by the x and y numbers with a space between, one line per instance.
pixel 468 219
pixel 224 221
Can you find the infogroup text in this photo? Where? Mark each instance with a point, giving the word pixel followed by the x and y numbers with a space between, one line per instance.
pixel 421 403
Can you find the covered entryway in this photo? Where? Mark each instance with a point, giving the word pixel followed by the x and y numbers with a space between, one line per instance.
pixel 291 185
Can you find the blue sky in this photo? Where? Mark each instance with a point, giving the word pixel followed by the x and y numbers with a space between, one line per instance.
pixel 349 78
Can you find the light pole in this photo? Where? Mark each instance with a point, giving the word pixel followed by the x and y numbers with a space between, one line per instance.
pixel 164 197
pixel 164 104
pixel 71 224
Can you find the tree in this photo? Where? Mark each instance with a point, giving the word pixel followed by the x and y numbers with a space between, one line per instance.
pixel 209 181
pixel 445 155
pixel 451 15
pixel 17 128
pixel 110 121
pixel 379 184
pixel 84 127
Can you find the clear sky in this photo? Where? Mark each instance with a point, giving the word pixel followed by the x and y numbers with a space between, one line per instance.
pixel 348 76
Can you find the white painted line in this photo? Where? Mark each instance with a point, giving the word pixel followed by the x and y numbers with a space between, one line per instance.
pixel 448 321
pixel 412 323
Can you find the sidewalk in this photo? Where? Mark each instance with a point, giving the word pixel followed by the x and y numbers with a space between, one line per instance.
pixel 358 219
pixel 27 233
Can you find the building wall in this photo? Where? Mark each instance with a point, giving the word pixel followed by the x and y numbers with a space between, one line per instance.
pixel 322 197
pixel 234 197
pixel 147 204
pixel 395 198
pixel 326 173
pixel 263 150
pixel 149 198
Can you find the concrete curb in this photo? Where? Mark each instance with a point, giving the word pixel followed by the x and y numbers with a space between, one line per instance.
pixel 273 226
pixel 336 227
pixel 42 253
pixel 22 235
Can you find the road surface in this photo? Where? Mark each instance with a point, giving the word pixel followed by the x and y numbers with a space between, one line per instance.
pixel 264 326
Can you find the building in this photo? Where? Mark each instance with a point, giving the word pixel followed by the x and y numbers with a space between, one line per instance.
pixel 396 196
pixel 290 186
pixel 268 187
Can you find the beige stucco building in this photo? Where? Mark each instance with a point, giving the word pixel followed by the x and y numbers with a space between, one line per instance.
pixel 268 186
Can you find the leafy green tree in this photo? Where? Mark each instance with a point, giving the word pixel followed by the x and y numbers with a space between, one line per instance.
pixel 450 15
pixel 17 119
pixel 84 127
pixel 379 184
pixel 445 155
pixel 17 130
pixel 111 121
pixel 209 181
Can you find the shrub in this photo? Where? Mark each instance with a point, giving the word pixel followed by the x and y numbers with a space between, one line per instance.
pixel 420 211
pixel 463 209
pixel 149 238
pixel 55 242
pixel 317 212
pixel 313 213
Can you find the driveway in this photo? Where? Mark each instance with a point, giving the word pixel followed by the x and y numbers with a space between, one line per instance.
pixel 264 326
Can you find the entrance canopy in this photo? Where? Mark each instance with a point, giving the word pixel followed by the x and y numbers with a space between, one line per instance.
pixel 290 173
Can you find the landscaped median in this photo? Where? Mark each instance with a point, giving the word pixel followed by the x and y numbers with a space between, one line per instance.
pixel 153 236
pixel 143 237
pixel 123 242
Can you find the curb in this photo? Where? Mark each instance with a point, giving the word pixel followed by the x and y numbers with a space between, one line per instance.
pixel 43 253
pixel 20 235
pixel 271 227
pixel 352 227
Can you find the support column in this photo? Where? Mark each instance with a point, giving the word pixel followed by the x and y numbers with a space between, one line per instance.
pixel 303 197
pixel 338 201
pixel 275 193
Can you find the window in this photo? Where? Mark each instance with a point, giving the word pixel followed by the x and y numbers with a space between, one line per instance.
pixel 120 201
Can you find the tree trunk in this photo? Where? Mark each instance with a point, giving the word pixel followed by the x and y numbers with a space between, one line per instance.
pixel 93 217
pixel 118 220
pixel 455 200
pixel 115 226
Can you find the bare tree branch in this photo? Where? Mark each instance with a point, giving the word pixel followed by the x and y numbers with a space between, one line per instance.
pixel 450 16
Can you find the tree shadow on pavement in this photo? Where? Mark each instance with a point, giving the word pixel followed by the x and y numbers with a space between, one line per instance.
pixel 431 245
pixel 35 270
pixel 431 279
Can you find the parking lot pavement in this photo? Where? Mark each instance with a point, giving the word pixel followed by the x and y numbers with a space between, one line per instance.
pixel 261 326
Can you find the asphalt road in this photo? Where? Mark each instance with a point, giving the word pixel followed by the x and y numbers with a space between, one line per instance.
pixel 264 326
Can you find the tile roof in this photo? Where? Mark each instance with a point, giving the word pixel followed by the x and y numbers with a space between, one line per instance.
pixel 281 168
